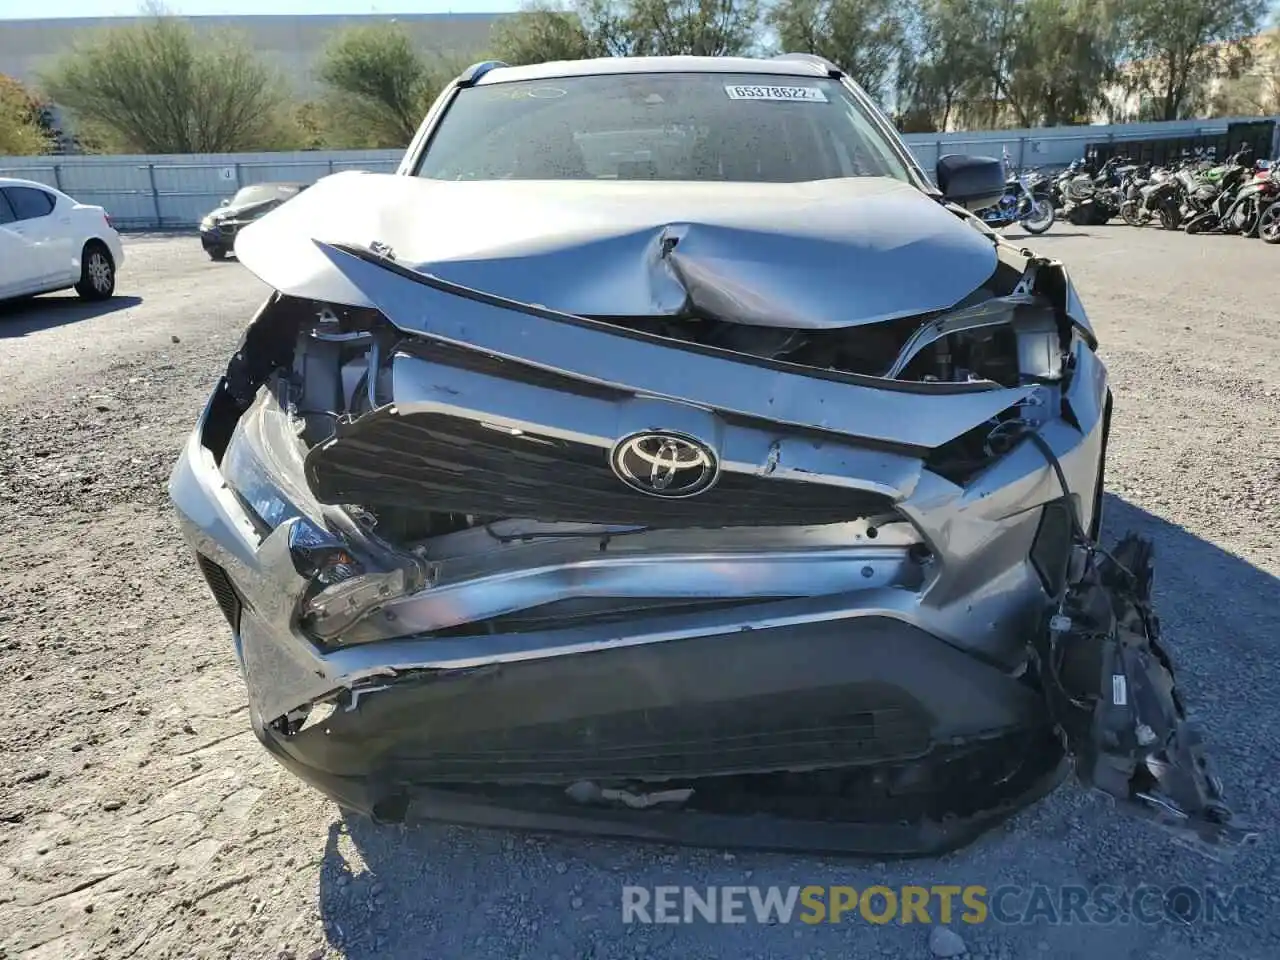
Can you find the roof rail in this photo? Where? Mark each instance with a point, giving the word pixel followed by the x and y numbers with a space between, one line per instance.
pixel 832 70
pixel 471 76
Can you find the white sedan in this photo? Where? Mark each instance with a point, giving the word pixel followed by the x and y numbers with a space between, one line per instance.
pixel 48 242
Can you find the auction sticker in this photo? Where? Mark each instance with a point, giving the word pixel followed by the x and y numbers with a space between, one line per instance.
pixel 754 92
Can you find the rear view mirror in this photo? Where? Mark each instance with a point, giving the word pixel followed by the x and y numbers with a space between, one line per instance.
pixel 970 182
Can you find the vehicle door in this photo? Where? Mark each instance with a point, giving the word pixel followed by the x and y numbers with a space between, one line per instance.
pixel 17 262
pixel 48 232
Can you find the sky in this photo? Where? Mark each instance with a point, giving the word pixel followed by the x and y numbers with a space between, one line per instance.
pixel 47 9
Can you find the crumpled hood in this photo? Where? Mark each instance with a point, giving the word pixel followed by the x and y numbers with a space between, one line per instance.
pixel 806 255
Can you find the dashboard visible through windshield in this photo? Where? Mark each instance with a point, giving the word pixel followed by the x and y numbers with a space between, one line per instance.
pixel 659 126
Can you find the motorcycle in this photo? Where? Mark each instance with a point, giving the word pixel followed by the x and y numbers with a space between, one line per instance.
pixel 1131 187
pixel 1162 201
pixel 1269 223
pixel 1216 192
pixel 1058 184
pixel 1025 202
pixel 1254 197
pixel 1092 200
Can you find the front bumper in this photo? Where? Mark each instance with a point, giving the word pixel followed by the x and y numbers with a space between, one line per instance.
pixel 495 746
pixel 886 660
pixel 219 237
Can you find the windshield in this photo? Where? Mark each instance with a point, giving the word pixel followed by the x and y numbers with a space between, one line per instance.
pixel 659 126
pixel 260 193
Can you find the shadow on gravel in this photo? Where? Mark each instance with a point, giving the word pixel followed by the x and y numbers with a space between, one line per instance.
pixel 1234 586
pixel 429 890
pixel 33 314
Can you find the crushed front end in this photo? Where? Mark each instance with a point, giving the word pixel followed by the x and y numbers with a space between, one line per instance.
pixel 498 564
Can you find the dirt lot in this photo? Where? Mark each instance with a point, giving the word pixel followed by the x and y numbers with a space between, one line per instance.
pixel 139 818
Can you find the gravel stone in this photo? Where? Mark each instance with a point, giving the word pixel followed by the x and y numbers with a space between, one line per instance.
pixel 945 942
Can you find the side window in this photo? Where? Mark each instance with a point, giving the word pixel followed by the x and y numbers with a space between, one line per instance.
pixel 6 211
pixel 29 203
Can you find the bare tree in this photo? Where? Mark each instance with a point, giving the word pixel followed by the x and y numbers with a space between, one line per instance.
pixel 157 88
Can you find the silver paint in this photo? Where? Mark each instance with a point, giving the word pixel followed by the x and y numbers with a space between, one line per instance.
pixel 819 255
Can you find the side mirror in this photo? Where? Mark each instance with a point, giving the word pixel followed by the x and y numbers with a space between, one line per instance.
pixel 224 202
pixel 970 182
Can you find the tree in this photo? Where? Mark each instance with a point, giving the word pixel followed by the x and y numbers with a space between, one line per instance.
pixel 628 28
pixel 867 38
pixel 540 33
pixel 156 88
pixel 1000 25
pixel 1063 56
pixel 380 85
pixel 21 131
pixel 1257 91
pixel 701 28
pixel 944 71
pixel 1177 48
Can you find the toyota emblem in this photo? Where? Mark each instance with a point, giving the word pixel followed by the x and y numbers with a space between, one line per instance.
pixel 665 464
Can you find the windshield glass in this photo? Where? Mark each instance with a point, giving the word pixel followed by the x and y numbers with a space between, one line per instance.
pixel 659 126
pixel 261 192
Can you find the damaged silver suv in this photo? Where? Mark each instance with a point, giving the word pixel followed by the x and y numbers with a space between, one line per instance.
pixel 661 452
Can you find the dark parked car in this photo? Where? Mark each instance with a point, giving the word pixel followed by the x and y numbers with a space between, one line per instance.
pixel 219 227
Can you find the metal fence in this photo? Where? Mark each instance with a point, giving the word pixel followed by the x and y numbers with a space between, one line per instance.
pixel 162 192
pixel 174 192
pixel 1055 147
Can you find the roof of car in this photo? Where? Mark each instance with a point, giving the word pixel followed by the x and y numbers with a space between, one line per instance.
pixel 783 67
pixel 19 182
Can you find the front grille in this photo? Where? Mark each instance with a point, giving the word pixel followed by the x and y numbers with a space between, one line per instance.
pixel 223 592
pixel 455 465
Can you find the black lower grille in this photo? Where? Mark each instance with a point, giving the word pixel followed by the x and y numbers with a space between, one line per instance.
pixel 223 592
pixel 862 723
pixel 454 465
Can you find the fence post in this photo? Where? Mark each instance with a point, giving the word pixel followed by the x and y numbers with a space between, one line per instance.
pixel 331 165
pixel 155 194
pixel 57 176
pixel 239 181
pixel 1022 154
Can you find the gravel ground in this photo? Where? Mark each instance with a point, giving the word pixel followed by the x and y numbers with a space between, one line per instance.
pixel 139 818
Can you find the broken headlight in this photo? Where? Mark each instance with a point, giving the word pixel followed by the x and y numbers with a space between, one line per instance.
pixel 263 466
